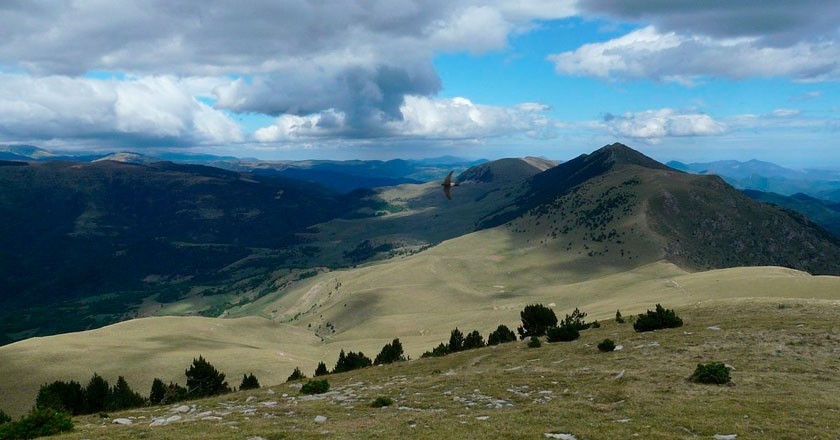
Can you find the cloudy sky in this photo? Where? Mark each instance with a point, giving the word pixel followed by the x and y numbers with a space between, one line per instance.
pixel 691 80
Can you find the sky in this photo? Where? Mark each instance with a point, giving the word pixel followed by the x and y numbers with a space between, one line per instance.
pixel 689 80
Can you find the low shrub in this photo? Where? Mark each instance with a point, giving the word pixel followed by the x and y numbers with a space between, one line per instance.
pixel 382 401
pixel 39 423
pixel 315 387
pixel 659 319
pixel 606 345
pixel 711 373
pixel 618 318
pixel 4 418
pixel 534 342
pixel 564 333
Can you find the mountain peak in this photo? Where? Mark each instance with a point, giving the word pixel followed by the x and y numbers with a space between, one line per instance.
pixel 620 154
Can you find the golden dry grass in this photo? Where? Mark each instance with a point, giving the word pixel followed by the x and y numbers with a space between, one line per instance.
pixel 787 383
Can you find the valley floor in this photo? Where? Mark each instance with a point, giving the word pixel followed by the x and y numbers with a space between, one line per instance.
pixel 786 384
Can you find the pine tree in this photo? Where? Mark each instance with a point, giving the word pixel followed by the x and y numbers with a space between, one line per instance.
pixel 390 353
pixel 96 394
pixel 536 319
pixel 296 375
pixel 122 396
pixel 321 370
pixel 250 382
pixel 456 341
pixel 473 340
pixel 158 392
pixel 203 379
pixel 501 335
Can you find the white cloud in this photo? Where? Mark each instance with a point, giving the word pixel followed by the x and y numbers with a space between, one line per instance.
pixel 648 53
pixel 148 110
pixel 654 125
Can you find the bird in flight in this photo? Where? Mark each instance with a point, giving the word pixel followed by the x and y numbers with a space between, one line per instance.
pixel 447 186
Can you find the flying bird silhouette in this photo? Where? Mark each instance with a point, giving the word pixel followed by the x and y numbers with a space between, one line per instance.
pixel 447 185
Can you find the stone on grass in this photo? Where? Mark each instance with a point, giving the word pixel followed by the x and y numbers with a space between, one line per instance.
pixel 122 421
pixel 560 436
pixel 320 419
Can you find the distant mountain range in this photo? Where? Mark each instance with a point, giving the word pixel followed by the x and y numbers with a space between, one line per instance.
pixel 123 236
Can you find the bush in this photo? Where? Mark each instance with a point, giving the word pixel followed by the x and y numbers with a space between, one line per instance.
pixel 575 321
pixel 4 418
pixel 659 319
pixel 606 345
pixel 203 379
pixel 534 342
pixel 351 361
pixel 321 370
pixel 390 353
pixel 62 396
pixel 382 401
pixel 39 423
pixel 296 375
pixel 249 382
pixel 618 318
pixel 564 333
pixel 440 350
pixel 174 393
pixel 711 373
pixel 536 319
pixel 473 340
pixel 501 335
pixel 315 387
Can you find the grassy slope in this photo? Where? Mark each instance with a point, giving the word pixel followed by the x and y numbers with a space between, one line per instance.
pixel 781 350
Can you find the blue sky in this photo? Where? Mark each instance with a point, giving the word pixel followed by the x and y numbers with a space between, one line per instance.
pixel 295 79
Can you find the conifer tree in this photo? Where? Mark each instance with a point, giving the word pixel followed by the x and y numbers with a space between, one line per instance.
pixel 203 379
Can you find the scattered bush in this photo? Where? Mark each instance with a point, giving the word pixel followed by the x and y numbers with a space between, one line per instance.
pixel 534 342
pixel 40 422
pixel 564 333
pixel 659 319
pixel 536 319
pixel 390 353
pixel 711 373
pixel 596 324
pixel 382 401
pixel 606 345
pixel 618 318
pixel 321 370
pixel 501 335
pixel 315 387
pixel 62 396
pixel 4 418
pixel 473 340
pixel 296 375
pixel 249 382
pixel 203 379
pixel 351 361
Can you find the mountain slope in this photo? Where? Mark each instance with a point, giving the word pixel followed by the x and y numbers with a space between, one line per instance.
pixel 620 203
pixel 119 233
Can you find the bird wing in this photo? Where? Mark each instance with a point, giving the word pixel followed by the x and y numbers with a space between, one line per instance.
pixel 448 180
pixel 447 191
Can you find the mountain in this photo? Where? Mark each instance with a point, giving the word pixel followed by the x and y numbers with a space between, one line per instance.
pixel 617 195
pixel 822 212
pixel 129 157
pixel 97 239
pixel 106 241
pixel 768 177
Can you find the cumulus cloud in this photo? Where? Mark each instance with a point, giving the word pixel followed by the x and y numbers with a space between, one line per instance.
pixel 424 118
pixel 654 125
pixel 358 58
pixel 649 53
pixel 155 110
